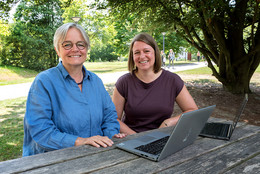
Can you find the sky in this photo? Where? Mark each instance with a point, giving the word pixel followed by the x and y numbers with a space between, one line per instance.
pixel 12 12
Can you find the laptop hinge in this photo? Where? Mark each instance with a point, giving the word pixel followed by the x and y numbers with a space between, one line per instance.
pixel 230 131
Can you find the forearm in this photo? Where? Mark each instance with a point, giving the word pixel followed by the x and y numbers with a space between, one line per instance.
pixel 173 120
pixel 125 129
pixel 47 139
pixel 170 121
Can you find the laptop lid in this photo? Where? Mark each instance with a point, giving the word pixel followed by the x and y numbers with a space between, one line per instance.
pixel 186 130
pixel 239 112
pixel 184 133
pixel 223 131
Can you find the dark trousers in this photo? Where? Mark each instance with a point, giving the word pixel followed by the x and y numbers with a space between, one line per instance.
pixel 171 62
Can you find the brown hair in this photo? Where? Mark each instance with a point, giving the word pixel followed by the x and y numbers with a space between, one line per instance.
pixel 146 38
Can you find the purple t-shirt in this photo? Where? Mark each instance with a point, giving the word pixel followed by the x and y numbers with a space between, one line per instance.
pixel 147 105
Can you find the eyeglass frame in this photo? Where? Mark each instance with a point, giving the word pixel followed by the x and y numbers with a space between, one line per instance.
pixel 83 42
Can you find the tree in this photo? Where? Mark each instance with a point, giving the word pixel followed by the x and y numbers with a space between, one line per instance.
pixel 104 53
pixel 128 27
pixel 227 33
pixel 5 8
pixel 30 43
pixel 98 26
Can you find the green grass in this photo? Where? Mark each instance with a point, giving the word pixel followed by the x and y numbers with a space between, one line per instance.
pixel 203 70
pixel 11 128
pixel 13 75
pixel 258 69
pixel 106 67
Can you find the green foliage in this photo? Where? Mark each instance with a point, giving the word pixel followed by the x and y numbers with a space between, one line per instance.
pixel 105 53
pixel 99 27
pixel 30 41
pixel 5 8
pixel 128 24
pixel 226 32
pixel 4 29
pixel 126 30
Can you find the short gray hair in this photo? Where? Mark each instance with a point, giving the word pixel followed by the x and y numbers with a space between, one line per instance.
pixel 61 33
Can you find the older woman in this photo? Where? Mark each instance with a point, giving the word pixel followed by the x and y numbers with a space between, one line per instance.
pixel 68 105
pixel 147 94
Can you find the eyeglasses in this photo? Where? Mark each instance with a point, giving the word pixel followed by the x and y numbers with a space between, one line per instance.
pixel 67 45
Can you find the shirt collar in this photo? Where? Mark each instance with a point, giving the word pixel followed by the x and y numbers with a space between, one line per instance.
pixel 65 73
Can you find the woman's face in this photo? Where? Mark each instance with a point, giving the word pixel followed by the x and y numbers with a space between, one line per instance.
pixel 144 56
pixel 77 54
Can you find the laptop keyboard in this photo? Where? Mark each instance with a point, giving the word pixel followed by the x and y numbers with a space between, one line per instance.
pixel 154 147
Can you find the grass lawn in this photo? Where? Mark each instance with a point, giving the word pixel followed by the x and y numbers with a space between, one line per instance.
pixel 13 75
pixel 106 67
pixel 11 128
pixel 12 110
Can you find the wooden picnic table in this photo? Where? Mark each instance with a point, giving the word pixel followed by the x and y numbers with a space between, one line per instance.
pixel 241 154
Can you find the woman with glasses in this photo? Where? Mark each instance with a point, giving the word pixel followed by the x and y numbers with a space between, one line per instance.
pixel 68 105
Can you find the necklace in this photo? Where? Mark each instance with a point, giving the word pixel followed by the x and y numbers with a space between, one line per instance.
pixel 82 79
pixel 80 82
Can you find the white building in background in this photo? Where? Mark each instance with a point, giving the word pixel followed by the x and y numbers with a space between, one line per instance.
pixel 182 55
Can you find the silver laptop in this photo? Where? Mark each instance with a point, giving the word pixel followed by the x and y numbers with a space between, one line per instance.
pixel 158 145
pixel 223 131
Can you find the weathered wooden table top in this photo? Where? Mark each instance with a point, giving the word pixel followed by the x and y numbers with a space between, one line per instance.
pixel 239 155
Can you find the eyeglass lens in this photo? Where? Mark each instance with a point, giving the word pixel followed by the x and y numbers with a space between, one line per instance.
pixel 67 45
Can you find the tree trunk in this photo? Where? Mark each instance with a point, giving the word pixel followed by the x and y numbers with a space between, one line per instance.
pixel 235 78
pixel 237 87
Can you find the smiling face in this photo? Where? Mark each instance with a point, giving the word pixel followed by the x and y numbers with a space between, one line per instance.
pixel 74 56
pixel 144 56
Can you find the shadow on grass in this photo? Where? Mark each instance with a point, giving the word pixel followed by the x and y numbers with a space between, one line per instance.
pixel 11 129
pixel 22 72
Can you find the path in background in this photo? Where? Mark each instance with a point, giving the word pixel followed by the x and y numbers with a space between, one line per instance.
pixel 21 90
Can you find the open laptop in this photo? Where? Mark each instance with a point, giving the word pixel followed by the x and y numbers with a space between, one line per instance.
pixel 223 131
pixel 184 133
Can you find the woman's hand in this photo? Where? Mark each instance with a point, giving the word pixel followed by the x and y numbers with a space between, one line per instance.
pixel 120 135
pixel 170 122
pixel 95 141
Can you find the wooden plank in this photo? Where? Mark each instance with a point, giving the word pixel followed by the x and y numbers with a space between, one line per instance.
pixel 250 166
pixel 222 159
pixel 86 164
pixel 49 158
pixel 200 147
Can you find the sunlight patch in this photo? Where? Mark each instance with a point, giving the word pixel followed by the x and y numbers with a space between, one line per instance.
pixel 12 144
pixel 2 119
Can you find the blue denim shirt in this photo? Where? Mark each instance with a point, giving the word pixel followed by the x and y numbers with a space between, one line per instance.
pixel 57 112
